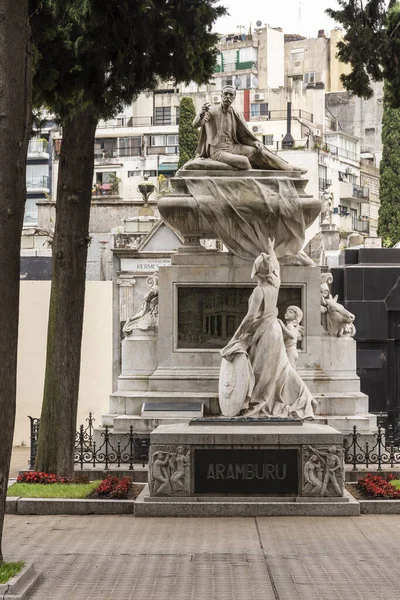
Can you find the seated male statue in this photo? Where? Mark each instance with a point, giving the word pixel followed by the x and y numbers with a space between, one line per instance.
pixel 225 137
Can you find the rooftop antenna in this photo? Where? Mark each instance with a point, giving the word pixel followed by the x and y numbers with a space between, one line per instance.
pixel 301 6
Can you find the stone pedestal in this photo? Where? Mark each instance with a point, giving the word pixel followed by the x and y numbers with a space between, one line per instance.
pixel 247 469
pixel 202 299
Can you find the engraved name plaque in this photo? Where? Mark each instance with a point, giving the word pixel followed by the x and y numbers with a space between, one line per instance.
pixel 245 472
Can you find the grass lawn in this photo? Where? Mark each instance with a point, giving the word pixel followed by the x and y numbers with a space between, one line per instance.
pixel 8 570
pixel 396 483
pixel 54 490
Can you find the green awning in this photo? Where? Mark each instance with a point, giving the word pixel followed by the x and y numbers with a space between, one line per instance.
pixel 167 167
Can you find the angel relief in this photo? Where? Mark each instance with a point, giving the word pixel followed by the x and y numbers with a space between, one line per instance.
pixel 171 473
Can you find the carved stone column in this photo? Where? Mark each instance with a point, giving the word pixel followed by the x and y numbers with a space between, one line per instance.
pixel 125 286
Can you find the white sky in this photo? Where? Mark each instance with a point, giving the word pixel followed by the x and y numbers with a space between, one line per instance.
pixel 278 13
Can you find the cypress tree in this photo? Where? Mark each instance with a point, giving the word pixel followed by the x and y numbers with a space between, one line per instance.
pixel 389 189
pixel 188 135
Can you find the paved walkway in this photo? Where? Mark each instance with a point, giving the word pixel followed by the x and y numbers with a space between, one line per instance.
pixel 276 558
pixel 19 460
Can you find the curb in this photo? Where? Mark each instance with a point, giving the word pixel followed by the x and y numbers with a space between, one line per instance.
pixel 67 506
pixel 380 507
pixel 19 586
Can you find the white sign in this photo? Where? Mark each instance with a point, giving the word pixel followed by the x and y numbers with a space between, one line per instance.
pixel 144 264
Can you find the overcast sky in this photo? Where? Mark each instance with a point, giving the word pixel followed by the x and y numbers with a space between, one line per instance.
pixel 294 16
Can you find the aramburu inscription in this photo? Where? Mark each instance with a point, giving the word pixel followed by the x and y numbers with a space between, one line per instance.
pixel 246 471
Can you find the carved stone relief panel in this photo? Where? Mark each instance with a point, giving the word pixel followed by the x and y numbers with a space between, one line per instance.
pixel 169 471
pixel 208 316
pixel 323 471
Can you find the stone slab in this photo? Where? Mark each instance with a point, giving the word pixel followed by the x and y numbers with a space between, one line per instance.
pixel 20 586
pixel 308 433
pixel 172 406
pixel 251 421
pixel 67 506
pixel 225 508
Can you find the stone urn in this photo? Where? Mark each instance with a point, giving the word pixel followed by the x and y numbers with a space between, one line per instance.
pixel 146 188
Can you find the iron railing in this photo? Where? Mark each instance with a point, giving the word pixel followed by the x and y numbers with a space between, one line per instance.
pixel 379 449
pixel 111 451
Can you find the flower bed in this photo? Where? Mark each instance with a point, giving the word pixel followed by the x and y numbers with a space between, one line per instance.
pixel 114 487
pixel 48 485
pixel 375 486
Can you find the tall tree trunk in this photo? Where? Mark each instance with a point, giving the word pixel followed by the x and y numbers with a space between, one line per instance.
pixel 55 452
pixel 15 111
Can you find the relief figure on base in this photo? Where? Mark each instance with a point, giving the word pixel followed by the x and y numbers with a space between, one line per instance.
pixel 267 384
pixel 323 472
pixel 169 472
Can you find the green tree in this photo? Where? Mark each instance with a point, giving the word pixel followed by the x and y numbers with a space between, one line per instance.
pixel 91 58
pixel 389 186
pixel 188 135
pixel 372 47
pixel 15 127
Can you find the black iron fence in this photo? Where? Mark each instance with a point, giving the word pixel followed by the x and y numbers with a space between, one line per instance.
pixel 379 449
pixel 125 449
pixel 122 449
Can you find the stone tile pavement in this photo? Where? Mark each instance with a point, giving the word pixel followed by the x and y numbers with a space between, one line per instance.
pixel 275 558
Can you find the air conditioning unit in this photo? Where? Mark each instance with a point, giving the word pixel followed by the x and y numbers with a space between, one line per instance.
pixel 317 132
pixel 258 96
pixel 256 129
pixel 216 100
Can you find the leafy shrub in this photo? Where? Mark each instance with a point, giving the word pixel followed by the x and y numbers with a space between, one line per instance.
pixel 114 487
pixel 374 486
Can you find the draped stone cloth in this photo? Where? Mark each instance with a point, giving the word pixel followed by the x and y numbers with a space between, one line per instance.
pixel 245 211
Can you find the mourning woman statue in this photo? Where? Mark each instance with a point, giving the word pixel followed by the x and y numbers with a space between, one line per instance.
pixel 256 376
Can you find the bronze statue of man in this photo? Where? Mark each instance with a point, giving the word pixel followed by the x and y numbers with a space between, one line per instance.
pixel 225 137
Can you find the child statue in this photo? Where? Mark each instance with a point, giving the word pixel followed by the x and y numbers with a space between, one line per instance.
pixel 292 332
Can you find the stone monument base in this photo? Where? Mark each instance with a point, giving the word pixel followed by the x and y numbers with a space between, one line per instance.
pixel 240 469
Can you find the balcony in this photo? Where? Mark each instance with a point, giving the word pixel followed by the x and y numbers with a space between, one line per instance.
pixel 341 152
pixel 38 149
pixel 361 225
pixel 280 115
pixel 352 191
pixel 145 121
pixel 35 185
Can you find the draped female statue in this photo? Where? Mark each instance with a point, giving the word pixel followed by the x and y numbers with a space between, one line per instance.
pixel 255 364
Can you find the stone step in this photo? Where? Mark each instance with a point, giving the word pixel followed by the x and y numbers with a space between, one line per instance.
pixel 130 403
pixel 341 403
pixel 366 423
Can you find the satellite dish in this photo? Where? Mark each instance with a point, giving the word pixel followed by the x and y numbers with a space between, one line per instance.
pixel 258 23
pixel 255 82
pixel 238 81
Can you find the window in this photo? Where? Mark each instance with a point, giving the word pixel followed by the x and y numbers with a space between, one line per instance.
pixel 226 81
pixel 150 173
pixel 268 140
pixel 297 54
pixel 130 146
pixel 343 211
pixel 158 140
pixel 163 115
pixel 106 177
pixel 177 114
pixel 259 110
pixel 354 218
pixel 248 54
pixel 172 140
pixel 137 173
pixel 309 78
pixel 370 130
